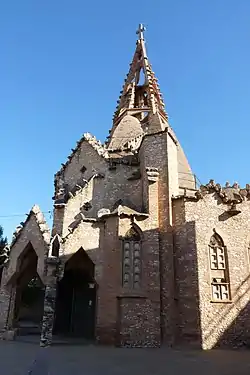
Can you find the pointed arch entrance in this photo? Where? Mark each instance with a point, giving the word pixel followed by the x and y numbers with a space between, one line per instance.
pixel 29 296
pixel 76 298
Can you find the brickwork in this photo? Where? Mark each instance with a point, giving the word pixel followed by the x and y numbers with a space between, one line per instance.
pixel 158 261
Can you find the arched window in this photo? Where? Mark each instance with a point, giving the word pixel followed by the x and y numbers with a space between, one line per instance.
pixel 132 259
pixel 219 271
pixel 55 247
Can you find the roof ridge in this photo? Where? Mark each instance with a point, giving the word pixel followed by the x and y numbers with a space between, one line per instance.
pixel 42 224
pixel 97 145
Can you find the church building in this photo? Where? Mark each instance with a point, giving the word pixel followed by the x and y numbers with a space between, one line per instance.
pixel 138 255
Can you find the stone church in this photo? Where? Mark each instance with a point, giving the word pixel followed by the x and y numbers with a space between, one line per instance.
pixel 138 255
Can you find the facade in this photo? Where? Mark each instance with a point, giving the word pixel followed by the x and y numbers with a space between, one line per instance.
pixel 138 254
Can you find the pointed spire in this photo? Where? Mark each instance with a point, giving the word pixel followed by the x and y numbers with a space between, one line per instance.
pixel 140 97
pixel 140 31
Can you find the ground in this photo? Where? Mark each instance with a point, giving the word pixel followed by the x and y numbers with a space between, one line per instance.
pixel 17 358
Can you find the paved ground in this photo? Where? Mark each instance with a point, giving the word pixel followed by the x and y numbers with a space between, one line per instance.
pixel 17 358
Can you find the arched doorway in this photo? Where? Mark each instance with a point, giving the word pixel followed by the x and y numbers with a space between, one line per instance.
pixel 29 299
pixel 76 298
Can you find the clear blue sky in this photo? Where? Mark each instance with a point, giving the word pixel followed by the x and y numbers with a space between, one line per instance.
pixel 63 64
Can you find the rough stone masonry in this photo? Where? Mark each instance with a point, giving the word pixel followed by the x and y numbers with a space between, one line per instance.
pixel 138 254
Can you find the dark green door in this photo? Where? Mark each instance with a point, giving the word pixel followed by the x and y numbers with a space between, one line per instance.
pixel 75 307
pixel 83 311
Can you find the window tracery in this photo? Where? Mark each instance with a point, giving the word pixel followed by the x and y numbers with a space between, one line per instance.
pixel 132 259
pixel 219 269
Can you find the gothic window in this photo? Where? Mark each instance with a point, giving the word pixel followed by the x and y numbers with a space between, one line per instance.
pixel 55 247
pixel 132 259
pixel 219 269
pixel 220 290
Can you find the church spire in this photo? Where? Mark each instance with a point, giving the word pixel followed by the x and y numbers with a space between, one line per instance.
pixel 141 93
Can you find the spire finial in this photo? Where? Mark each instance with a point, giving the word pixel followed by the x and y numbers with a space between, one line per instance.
pixel 140 31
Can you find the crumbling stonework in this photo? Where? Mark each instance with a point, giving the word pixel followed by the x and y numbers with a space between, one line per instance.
pixel 138 256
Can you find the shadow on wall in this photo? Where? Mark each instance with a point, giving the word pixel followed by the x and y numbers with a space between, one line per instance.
pixel 237 314
pixel 188 329
pixel 230 323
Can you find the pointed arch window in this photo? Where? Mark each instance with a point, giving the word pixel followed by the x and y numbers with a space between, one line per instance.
pixel 55 247
pixel 131 277
pixel 219 271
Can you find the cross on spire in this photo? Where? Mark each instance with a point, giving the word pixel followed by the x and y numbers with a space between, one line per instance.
pixel 140 31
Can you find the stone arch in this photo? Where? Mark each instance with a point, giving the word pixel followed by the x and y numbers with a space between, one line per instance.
pixel 26 255
pixel 29 293
pixel 216 240
pixel 134 232
pixel 30 233
pixel 219 232
pixel 76 297
pixel 55 246
pixel 132 254
pixel 219 270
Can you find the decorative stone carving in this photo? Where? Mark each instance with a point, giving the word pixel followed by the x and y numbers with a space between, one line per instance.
pixel 102 212
pixel 61 191
pixel 132 259
pixel 99 175
pixel 86 206
pixel 4 256
pixel 97 145
pixel 231 195
pixel 152 174
pixel 45 231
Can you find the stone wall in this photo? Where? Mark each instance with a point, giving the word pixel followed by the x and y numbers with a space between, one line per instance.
pixel 186 277
pixel 30 233
pixel 222 323
pixel 165 161
pixel 104 192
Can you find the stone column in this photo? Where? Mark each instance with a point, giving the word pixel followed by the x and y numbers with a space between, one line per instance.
pixel 49 302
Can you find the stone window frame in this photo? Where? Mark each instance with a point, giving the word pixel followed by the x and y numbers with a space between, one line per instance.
pixel 217 253
pixel 55 247
pixel 131 271
pixel 219 270
pixel 221 288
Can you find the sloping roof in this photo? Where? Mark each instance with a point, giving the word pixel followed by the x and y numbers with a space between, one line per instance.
pixel 93 142
pixel 40 219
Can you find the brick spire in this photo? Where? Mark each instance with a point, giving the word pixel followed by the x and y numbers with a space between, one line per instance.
pixel 139 97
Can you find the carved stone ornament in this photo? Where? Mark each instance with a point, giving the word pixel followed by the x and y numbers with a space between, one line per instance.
pixel 152 174
pixel 102 212
pixel 61 192
pixel 229 194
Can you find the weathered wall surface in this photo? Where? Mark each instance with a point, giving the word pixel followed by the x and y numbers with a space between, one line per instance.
pixel 136 304
pixel 165 160
pixel 36 232
pixel 222 323
pixel 186 277
pixel 87 237
pixel 30 233
pixel 85 156
pixel 104 193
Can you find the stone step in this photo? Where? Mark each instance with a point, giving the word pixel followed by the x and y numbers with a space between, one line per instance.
pixel 28 328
